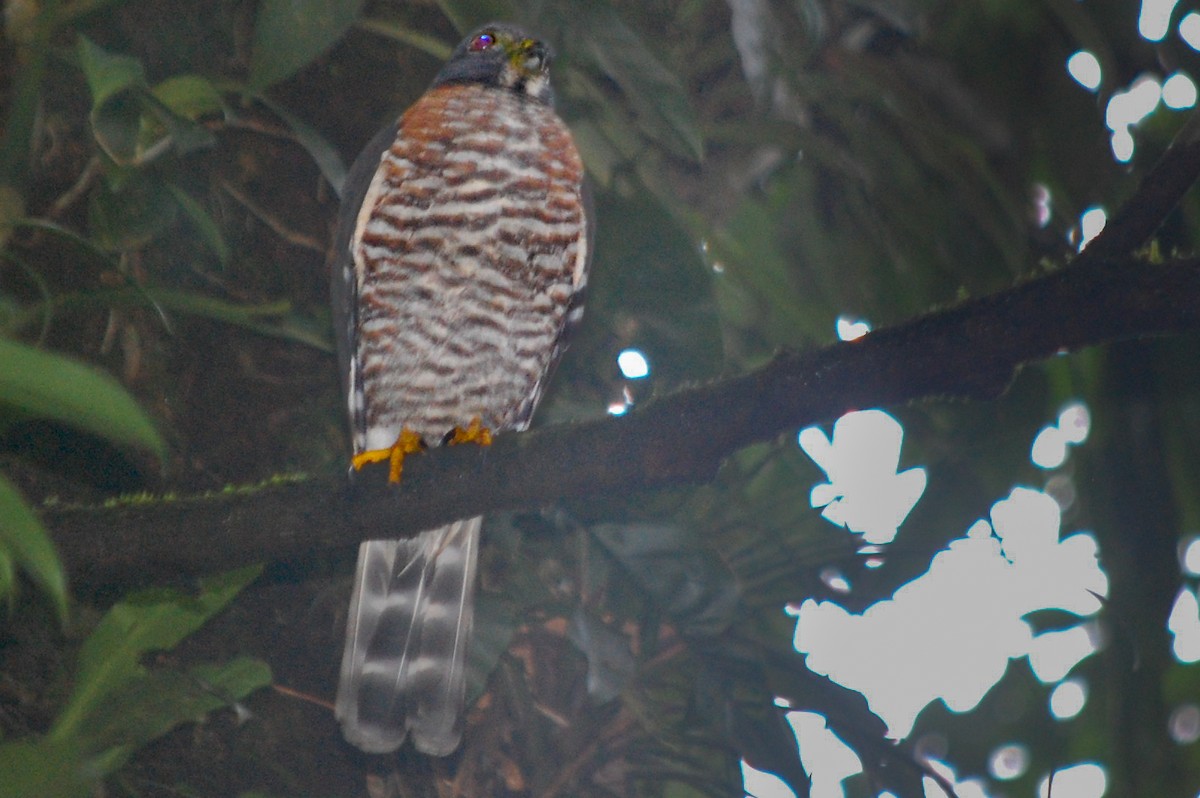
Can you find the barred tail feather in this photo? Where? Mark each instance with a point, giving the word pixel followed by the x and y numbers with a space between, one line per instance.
pixel 404 667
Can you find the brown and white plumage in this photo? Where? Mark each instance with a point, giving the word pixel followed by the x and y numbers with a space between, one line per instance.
pixel 462 255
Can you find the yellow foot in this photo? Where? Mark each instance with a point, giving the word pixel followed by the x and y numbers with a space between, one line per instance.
pixel 474 433
pixel 406 443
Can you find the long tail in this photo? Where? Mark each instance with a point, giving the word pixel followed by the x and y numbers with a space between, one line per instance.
pixel 404 667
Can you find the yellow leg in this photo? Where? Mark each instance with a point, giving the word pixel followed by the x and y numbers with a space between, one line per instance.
pixel 406 443
pixel 475 432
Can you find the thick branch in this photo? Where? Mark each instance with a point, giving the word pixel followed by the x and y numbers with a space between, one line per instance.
pixel 969 351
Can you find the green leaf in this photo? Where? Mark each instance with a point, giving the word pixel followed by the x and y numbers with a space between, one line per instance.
pixel 288 34
pixel 45 769
pixel 31 26
pixel 285 323
pixel 152 704
pixel 210 232
pixel 24 542
pixel 115 81
pixel 689 582
pixel 189 96
pixel 108 74
pixel 134 125
pixel 152 620
pixel 663 111
pixel 46 385
pixel 324 154
pixel 467 15
pixel 132 214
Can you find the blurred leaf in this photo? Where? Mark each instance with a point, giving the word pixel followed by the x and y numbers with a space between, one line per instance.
pixel 288 324
pixel 688 582
pixel 189 96
pixel 115 81
pixel 650 285
pixel 152 620
pixel 767 742
pixel 118 705
pixel 153 703
pixel 398 31
pixel 662 108
pixel 12 210
pixel 288 34
pixel 46 769
pixel 23 95
pixel 8 573
pixel 131 214
pixel 24 543
pixel 610 661
pixel 108 74
pixel 466 15
pixel 324 154
pixel 495 623
pixel 45 385
pixel 209 232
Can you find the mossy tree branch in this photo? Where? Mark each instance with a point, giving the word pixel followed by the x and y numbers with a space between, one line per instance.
pixel 969 351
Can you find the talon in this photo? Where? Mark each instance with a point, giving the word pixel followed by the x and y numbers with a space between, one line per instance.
pixel 406 443
pixel 475 432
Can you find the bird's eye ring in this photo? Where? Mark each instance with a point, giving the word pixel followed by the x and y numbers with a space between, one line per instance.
pixel 481 42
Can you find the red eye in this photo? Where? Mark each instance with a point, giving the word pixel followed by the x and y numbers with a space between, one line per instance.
pixel 481 42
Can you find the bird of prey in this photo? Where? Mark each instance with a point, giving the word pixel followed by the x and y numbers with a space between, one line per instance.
pixel 460 263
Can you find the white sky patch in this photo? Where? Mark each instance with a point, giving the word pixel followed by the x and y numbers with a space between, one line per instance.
pixel 950 633
pixel 1068 699
pixel 1184 625
pixel 823 754
pixel 1090 224
pixel 1155 19
pixel 865 493
pixel 970 788
pixel 850 329
pixel 1076 422
pixel 1049 448
pixel 1122 145
pixel 1184 724
pixel 758 784
pixel 1178 91
pixel 1085 780
pixel 1009 762
pixel 1085 68
pixel 1189 557
pixel 1127 109
pixel 1054 654
pixel 633 364
pixel 1043 205
pixel 1189 30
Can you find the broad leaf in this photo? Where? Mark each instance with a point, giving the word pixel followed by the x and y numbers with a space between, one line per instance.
pixel 690 584
pixel 24 543
pixel 324 154
pixel 288 34
pixel 663 110
pixel 152 620
pixel 45 769
pixel 206 226
pixel 116 82
pixel 155 702
pixel 45 385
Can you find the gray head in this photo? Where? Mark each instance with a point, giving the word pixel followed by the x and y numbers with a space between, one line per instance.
pixel 502 55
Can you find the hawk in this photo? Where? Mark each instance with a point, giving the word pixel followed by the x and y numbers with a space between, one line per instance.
pixel 460 263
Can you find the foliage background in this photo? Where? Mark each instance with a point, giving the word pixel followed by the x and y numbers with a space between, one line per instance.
pixel 759 168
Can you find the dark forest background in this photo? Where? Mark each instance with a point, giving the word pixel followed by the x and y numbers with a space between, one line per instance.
pixel 168 183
